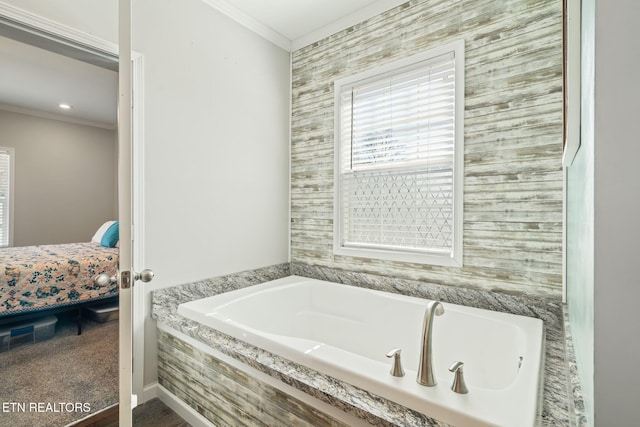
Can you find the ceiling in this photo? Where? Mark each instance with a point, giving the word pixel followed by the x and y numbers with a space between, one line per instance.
pixel 295 18
pixel 305 21
pixel 36 81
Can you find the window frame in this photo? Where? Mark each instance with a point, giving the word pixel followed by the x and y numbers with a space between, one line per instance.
pixel 431 257
pixel 9 202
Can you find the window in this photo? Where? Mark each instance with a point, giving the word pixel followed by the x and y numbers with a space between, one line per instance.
pixel 399 158
pixel 6 185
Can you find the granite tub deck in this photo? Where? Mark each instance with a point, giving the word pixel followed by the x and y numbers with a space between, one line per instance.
pixel 561 398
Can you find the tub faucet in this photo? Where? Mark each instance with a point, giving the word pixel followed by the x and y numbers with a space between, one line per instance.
pixel 425 367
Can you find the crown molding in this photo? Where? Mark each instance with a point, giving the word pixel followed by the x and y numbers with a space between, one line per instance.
pixel 345 22
pixel 251 23
pixel 59 38
pixel 291 45
pixel 56 117
pixel 55 31
pixel 14 16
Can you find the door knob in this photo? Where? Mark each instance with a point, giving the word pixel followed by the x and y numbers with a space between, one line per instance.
pixel 145 275
pixel 105 279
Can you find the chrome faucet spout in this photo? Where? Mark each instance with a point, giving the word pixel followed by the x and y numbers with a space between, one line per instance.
pixel 425 367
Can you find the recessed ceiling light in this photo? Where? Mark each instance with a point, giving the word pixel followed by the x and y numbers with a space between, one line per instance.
pixel 64 106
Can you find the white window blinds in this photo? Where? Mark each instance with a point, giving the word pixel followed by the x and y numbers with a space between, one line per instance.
pixel 5 196
pixel 397 140
pixel 402 120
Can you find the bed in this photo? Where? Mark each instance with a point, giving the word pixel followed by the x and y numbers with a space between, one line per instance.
pixel 35 279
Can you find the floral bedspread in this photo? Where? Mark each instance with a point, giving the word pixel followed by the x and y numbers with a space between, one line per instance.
pixel 39 277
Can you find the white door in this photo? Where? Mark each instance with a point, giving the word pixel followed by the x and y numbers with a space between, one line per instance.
pixel 125 281
pixel 131 304
pixel 129 170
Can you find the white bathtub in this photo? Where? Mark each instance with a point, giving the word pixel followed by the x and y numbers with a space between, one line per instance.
pixel 345 332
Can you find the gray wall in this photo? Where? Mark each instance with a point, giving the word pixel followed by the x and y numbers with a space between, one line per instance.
pixel 513 137
pixel 216 147
pixel 65 178
pixel 603 211
pixel 617 209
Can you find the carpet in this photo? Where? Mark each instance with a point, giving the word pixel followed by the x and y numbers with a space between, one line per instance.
pixel 60 380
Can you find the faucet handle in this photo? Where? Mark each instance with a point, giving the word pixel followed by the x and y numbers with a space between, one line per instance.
pixel 458 385
pixel 396 370
pixel 439 309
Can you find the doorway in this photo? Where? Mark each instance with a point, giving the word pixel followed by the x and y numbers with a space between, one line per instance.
pixel 100 53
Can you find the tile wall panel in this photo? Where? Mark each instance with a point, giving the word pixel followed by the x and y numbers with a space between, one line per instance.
pixel 513 138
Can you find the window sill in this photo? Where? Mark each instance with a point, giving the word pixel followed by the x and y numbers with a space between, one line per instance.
pixel 428 258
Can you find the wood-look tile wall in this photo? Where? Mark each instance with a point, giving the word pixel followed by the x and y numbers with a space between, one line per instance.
pixel 225 395
pixel 513 137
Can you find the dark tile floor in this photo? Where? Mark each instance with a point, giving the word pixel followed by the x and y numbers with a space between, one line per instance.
pixel 152 413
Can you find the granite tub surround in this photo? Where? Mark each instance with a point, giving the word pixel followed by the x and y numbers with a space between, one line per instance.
pixel 558 408
pixel 352 400
pixel 576 403
pixel 165 301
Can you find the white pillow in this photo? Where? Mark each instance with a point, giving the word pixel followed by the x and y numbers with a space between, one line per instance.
pixel 97 238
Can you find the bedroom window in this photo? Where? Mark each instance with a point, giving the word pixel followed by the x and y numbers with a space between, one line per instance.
pixel 6 186
pixel 399 159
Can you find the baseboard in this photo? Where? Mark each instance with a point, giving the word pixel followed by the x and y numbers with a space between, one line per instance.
pixel 187 413
pixel 150 391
